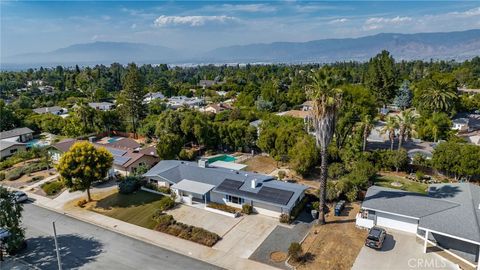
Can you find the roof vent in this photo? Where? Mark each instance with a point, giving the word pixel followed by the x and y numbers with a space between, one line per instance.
pixel 253 183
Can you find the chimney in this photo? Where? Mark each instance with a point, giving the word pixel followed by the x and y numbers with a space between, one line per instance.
pixel 253 183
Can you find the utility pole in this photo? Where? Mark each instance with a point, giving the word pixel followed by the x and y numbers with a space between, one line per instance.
pixel 56 246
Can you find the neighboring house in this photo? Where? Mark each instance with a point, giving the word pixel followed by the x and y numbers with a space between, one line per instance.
pixel 449 216
pixel 460 124
pixel 119 142
pixel 466 122
pixel 217 107
pixel 102 106
pixel 125 162
pixel 199 182
pixel 182 101
pixel 209 83
pixel 152 96
pixel 422 152
pixel 8 148
pixel 56 110
pixel 472 137
pixel 35 82
pixel 17 135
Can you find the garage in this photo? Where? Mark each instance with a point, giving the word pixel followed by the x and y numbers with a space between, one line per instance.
pixel 397 222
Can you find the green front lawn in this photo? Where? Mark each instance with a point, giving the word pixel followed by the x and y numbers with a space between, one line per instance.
pixel 407 185
pixel 136 208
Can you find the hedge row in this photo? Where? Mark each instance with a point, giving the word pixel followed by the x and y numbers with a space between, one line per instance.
pixel 224 207
pixel 167 224
pixel 52 188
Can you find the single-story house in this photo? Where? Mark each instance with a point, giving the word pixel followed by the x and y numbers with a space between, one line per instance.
pixel 200 182
pixel 22 135
pixel 217 107
pixel 102 106
pixel 125 161
pixel 466 122
pixel 152 96
pixel 182 101
pixel 448 216
pixel 8 148
pixel 119 142
pixel 56 110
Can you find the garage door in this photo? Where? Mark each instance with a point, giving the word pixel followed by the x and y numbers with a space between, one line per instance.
pixel 397 222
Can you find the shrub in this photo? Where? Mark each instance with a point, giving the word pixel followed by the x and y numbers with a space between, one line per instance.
pixel 224 207
pixel 81 203
pixel 336 170
pixel 295 251
pixel 15 174
pixel 316 205
pixel 334 189
pixel 128 185
pixel 152 186
pixel 281 174
pixel 165 203
pixel 2 176
pixel 352 194
pixel 419 175
pixel 52 188
pixel 247 209
pixel 36 178
pixel 187 154
pixel 165 190
pixel 284 218
pixel 167 224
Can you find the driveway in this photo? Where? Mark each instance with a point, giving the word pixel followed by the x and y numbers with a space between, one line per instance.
pixel 198 217
pixel 400 251
pixel 245 237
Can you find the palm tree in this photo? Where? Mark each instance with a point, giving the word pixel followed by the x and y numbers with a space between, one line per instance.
pixel 406 123
pixel 438 96
pixel 326 98
pixel 389 128
pixel 367 124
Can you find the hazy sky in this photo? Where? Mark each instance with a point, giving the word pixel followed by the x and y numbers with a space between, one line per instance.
pixel 38 26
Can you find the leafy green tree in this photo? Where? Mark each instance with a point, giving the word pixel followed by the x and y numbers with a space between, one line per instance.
pixel 434 127
pixel 403 99
pixel 8 119
pixel 437 93
pixel 398 159
pixel 390 126
pixel 304 155
pixel 11 219
pixel 84 164
pixel 327 99
pixel 169 145
pixel 457 159
pixel 367 125
pixel 130 99
pixel 406 122
pixel 381 76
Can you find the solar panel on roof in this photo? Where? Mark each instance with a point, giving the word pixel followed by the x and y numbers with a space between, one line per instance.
pixel 118 160
pixel 116 152
pixel 266 194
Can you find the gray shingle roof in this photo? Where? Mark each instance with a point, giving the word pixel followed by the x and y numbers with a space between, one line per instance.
pixel 403 203
pixel 14 132
pixel 452 209
pixel 174 171
pixel 6 144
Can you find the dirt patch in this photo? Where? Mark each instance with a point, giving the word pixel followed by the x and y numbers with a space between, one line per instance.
pixel 278 256
pixel 261 164
pixel 96 196
pixel 336 244
pixel 28 179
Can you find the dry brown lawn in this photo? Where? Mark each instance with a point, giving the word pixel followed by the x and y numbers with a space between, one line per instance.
pixel 336 244
pixel 261 164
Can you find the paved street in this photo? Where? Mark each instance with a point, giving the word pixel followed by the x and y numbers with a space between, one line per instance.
pixel 85 246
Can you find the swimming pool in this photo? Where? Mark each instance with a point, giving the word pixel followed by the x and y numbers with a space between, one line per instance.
pixel 114 139
pixel 221 157
pixel 36 143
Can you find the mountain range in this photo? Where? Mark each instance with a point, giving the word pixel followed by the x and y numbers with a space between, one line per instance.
pixel 459 45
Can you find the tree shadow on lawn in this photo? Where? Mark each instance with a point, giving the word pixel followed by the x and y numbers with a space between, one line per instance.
pixel 75 251
pixel 127 200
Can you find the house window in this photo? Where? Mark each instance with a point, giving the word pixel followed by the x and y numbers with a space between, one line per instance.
pixel 233 199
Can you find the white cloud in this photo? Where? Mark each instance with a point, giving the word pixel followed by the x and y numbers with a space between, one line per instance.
pixel 164 21
pixel 241 8
pixel 381 22
pixel 338 21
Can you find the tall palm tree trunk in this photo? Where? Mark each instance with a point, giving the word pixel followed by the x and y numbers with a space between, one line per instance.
pixel 365 136
pixel 323 185
pixel 400 137
pixel 392 140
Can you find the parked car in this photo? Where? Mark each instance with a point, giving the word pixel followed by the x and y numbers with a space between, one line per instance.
pixel 339 207
pixel 4 234
pixel 20 196
pixel 376 237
